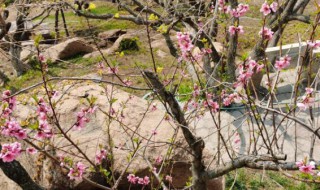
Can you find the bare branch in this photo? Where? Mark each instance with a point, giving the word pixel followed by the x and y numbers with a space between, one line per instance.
pixel 250 162
pixel 138 20
pixel 301 18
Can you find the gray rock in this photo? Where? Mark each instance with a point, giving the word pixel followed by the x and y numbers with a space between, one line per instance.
pixel 111 35
pixel 6 183
pixel 114 48
pixel 95 134
pixel 67 49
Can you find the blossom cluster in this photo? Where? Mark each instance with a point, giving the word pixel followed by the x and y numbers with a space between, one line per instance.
pixel 158 160
pixel 10 103
pixel 100 155
pixel 266 9
pixel 266 33
pixel 76 173
pixel 193 103
pixel 13 129
pixel 313 44
pixel 31 150
pixel 185 44
pixel 239 11
pixel 10 152
pixel 229 99
pixel 113 70
pixel 222 6
pixel 307 168
pixel 137 180
pixel 307 99
pixel 236 30
pixel 209 103
pixel 44 130
pixel 283 62
pixel 83 117
pixel 246 71
pixel 199 55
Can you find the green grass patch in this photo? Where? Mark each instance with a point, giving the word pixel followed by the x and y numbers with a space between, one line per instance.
pixel 27 79
pixel 257 180
pixel 185 90
pixel 77 24
pixel 75 66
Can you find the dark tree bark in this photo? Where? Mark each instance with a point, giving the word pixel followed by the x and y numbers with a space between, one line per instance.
pixel 19 35
pixel 56 25
pixel 232 49
pixel 15 46
pixel 196 144
pixel 64 23
pixel 15 171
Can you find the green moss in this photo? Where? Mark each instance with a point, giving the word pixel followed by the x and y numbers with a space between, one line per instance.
pixel 129 44
pixel 78 59
pixel 116 24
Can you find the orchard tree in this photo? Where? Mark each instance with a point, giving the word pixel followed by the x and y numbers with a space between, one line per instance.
pixel 23 13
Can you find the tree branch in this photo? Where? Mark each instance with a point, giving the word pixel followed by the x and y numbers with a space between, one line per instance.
pixel 195 144
pixel 137 20
pixel 255 162
pixel 301 18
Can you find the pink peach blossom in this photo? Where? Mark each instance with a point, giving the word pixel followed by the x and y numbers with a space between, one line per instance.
pixel 31 150
pixel 274 6
pixel 236 30
pixel 10 152
pixel 132 178
pixel 77 172
pixel 266 33
pixel 169 178
pixel 283 62
pixel 100 155
pixel 265 9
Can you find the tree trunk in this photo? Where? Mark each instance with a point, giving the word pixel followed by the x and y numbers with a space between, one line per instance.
pixel 258 54
pixel 195 144
pixel 64 23
pixel 232 49
pixel 56 25
pixel 15 51
pixel 15 171
pixel 15 46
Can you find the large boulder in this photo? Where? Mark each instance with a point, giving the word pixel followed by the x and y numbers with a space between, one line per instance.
pixel 123 42
pixel 160 43
pixel 6 68
pixel 67 49
pixel 29 50
pixel 111 35
pixel 115 131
